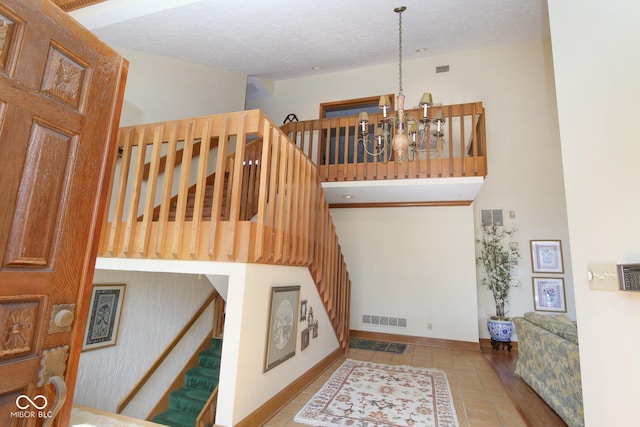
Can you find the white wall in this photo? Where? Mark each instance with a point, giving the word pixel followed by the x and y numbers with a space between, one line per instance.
pixel 400 264
pixel 155 308
pixel 595 47
pixel 248 310
pixel 515 84
pixel 160 89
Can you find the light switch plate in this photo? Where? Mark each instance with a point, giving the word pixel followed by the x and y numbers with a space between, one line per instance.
pixel 603 276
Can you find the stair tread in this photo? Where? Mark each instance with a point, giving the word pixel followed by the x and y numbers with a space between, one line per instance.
pixel 176 418
pixel 203 372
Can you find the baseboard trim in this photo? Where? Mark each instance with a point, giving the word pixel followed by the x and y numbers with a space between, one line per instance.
pixel 273 405
pixel 410 339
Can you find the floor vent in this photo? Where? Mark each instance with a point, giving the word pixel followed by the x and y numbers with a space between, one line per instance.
pixel 394 322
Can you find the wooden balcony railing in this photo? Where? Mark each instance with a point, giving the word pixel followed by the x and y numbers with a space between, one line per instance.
pixel 333 146
pixel 291 225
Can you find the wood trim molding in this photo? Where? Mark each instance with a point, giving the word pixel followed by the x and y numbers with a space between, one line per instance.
pixel 351 103
pixel 399 204
pixel 69 5
pixel 409 339
pixel 273 405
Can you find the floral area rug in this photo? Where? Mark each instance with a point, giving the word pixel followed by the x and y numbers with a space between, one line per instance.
pixel 366 394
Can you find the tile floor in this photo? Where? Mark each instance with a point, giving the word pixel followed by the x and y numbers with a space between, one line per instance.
pixel 479 397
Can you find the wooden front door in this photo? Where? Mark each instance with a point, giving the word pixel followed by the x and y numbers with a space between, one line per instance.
pixel 60 98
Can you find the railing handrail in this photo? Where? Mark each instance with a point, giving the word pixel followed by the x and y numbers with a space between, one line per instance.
pixel 161 358
pixel 332 145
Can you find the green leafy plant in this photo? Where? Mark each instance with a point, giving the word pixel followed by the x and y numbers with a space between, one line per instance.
pixel 497 259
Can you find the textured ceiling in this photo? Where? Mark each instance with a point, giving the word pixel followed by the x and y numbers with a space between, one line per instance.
pixel 282 39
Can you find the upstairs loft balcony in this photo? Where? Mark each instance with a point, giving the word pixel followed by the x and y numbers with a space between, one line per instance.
pixel 353 176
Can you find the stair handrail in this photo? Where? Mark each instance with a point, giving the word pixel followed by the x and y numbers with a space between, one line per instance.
pixel 207 416
pixel 161 358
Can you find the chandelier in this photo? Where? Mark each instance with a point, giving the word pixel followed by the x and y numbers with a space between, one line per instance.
pixel 404 133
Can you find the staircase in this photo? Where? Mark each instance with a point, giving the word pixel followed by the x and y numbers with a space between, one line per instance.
pixel 191 201
pixel 186 403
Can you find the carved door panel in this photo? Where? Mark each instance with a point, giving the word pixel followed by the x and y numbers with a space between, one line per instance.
pixel 60 98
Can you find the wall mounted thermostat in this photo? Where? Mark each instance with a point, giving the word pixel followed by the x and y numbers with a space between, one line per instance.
pixel 629 277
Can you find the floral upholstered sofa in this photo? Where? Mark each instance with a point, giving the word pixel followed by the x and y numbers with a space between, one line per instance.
pixel 549 362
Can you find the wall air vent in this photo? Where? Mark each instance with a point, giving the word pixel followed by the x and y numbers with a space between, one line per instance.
pixel 442 69
pixel 492 217
pixel 629 277
pixel 395 322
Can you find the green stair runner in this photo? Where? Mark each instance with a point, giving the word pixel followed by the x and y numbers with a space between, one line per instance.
pixel 186 403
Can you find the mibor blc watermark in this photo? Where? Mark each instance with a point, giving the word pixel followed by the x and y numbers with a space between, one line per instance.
pixel 31 408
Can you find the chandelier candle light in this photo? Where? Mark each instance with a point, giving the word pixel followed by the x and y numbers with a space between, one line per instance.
pixel 410 135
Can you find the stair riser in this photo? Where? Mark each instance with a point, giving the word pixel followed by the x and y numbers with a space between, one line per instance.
pixel 209 362
pixel 199 383
pixel 186 405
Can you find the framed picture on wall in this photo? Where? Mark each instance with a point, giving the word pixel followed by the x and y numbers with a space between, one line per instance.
pixel 546 256
pixel 104 316
pixel 548 294
pixel 282 325
pixel 305 339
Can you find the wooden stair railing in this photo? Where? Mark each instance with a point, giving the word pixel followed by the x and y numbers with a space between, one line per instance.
pixel 332 145
pixel 292 225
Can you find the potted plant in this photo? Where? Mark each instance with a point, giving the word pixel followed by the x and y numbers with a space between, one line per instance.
pixel 497 260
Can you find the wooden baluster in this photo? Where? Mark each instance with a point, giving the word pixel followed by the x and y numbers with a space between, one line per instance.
pixel 263 192
pixel 271 218
pixel 105 236
pixel 165 202
pixel 280 203
pixel 294 213
pixel 183 191
pixel 289 206
pixel 312 234
pixel 152 181
pixel 218 189
pixel 132 213
pixel 126 138
pixel 463 150
pixel 475 141
pixel 305 229
pixel 201 185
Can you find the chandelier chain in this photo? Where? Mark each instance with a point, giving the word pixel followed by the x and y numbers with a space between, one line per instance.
pixel 400 51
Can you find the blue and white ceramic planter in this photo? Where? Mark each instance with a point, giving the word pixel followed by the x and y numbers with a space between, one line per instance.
pixel 500 330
